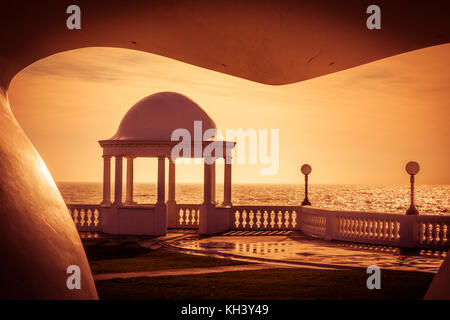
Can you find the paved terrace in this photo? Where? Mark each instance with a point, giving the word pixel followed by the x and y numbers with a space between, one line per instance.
pixel 290 248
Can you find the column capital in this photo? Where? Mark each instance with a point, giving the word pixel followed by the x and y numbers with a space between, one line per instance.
pixel 228 154
pixel 106 156
pixel 228 159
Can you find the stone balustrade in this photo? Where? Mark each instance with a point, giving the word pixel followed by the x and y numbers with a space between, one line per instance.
pixel 313 223
pixel 264 217
pixel 188 216
pixel 434 231
pixel 421 231
pixel 430 232
pixel 86 217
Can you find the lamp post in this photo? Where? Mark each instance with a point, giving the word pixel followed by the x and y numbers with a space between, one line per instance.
pixel 306 170
pixel 412 168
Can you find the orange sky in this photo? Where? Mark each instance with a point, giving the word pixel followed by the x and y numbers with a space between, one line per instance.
pixel 356 126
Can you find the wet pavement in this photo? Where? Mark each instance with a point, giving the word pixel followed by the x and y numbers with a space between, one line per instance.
pixel 298 249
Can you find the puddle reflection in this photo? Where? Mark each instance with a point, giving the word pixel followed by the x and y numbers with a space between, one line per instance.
pixel 323 252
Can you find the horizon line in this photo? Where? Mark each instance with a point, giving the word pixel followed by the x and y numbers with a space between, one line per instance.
pixel 271 183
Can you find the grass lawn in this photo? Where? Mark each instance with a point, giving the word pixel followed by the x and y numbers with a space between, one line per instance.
pixel 112 256
pixel 293 283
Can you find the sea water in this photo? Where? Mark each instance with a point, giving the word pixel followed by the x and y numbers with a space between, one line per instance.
pixel 429 199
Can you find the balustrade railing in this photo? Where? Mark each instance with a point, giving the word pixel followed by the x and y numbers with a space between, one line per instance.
pixel 188 215
pixel 313 222
pixel 264 217
pixel 434 231
pixel 376 228
pixel 86 217
pixel 422 231
pixel 430 232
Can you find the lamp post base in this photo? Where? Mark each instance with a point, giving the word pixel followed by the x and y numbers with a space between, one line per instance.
pixel 412 211
pixel 306 202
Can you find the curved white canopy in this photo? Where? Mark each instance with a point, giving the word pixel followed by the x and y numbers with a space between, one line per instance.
pixel 155 117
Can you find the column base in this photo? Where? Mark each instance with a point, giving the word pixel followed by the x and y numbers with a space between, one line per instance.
pixel 214 220
pixel 160 219
pixel 172 214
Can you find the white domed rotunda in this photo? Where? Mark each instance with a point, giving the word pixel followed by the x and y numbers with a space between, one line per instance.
pixel 149 129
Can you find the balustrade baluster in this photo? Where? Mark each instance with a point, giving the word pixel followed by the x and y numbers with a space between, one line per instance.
pixel 422 237
pixel 272 219
pixel 279 219
pixel 441 233
pixel 89 216
pixel 258 219
pixel 181 217
pixel 96 217
pixel 250 219
pixel 427 232
pixel 193 216
pixel 435 233
pixel 446 233
pixel 82 214
pixel 397 230
pixel 244 218
pixel 266 219
pixel 389 232
pixel 380 229
pixel 236 218
pixel 286 220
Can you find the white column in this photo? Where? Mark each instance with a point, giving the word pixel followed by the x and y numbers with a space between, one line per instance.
pixel 228 157
pixel 171 206
pixel 130 181
pixel 118 181
pixel 213 182
pixel 106 181
pixel 160 216
pixel 207 184
pixel 227 185
pixel 161 180
pixel 171 181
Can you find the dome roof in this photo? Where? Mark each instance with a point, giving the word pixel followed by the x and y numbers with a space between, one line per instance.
pixel 156 116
